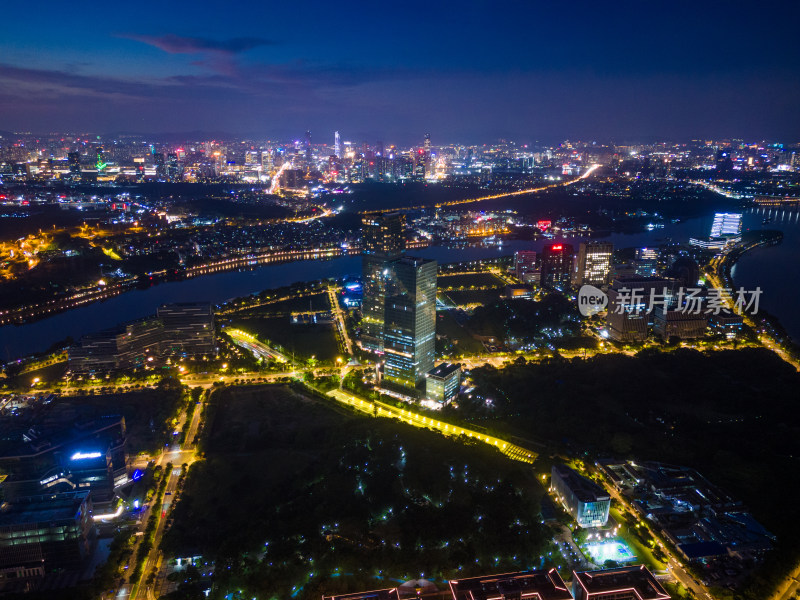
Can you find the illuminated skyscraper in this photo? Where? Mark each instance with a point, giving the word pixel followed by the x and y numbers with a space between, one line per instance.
pixel 74 161
pixel 557 266
pixel 383 240
pixel 593 263
pixel 647 261
pixel 161 166
pixel 100 159
pixel 337 145
pixel 525 266
pixel 174 171
pixel 409 324
pixel 428 161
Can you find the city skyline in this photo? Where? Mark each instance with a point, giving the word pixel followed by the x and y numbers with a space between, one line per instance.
pixel 481 72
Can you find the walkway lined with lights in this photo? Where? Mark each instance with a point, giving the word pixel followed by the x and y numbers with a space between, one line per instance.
pixel 381 409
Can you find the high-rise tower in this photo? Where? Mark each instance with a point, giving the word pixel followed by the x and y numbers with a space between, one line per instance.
pixel 557 266
pixel 593 263
pixel 382 240
pixel 409 324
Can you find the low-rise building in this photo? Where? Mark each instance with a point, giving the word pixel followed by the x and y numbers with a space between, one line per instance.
pixel 443 383
pixel 625 583
pixel 47 532
pixel 583 499
pixel 527 585
pixel 518 292
pixel 682 324
pixel 177 330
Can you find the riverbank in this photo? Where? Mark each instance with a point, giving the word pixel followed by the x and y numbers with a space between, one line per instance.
pixel 768 328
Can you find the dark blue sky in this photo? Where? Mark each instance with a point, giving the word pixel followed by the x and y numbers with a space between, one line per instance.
pixel 465 71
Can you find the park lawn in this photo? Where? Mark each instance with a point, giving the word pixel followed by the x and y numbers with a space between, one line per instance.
pixel 286 475
pixel 643 553
pixel 469 280
pixel 302 341
pixel 310 303
pixel 469 297
pixel 447 325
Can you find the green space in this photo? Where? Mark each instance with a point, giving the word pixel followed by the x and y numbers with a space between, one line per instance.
pixel 458 340
pixel 299 340
pixel 297 496
pixel 638 539
pixel 470 297
pixel 550 320
pixel 469 280
pixel 725 413
pixel 150 415
pixel 308 302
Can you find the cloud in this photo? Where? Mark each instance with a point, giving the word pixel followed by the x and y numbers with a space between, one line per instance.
pixel 176 44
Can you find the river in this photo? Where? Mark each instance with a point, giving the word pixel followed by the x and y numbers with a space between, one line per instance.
pixel 22 340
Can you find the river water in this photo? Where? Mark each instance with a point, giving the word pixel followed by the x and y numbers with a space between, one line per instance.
pixel 766 268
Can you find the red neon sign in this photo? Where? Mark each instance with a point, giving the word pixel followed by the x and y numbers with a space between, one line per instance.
pixel 556 247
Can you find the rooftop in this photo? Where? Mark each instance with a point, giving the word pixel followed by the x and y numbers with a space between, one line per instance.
pixel 444 369
pixel 536 585
pixel 638 580
pixel 584 489
pixel 45 508
pixel 387 594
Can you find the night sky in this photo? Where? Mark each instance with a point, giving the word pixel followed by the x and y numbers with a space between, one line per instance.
pixel 463 71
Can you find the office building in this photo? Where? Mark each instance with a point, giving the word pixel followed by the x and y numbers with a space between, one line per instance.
pixel 99 159
pixel 525 266
pixel 139 343
pixel 525 585
pixel 47 532
pixel 91 470
pixel 726 224
pixel 557 266
pixel 624 583
pixel 725 230
pixel 685 325
pixel 646 263
pixel 727 322
pixel 443 383
pixel 409 333
pixel 629 298
pixel 593 263
pixel 177 330
pixel 174 170
pixel 583 499
pixel 383 240
pixel 74 161
pixel 161 166
pixel 190 328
